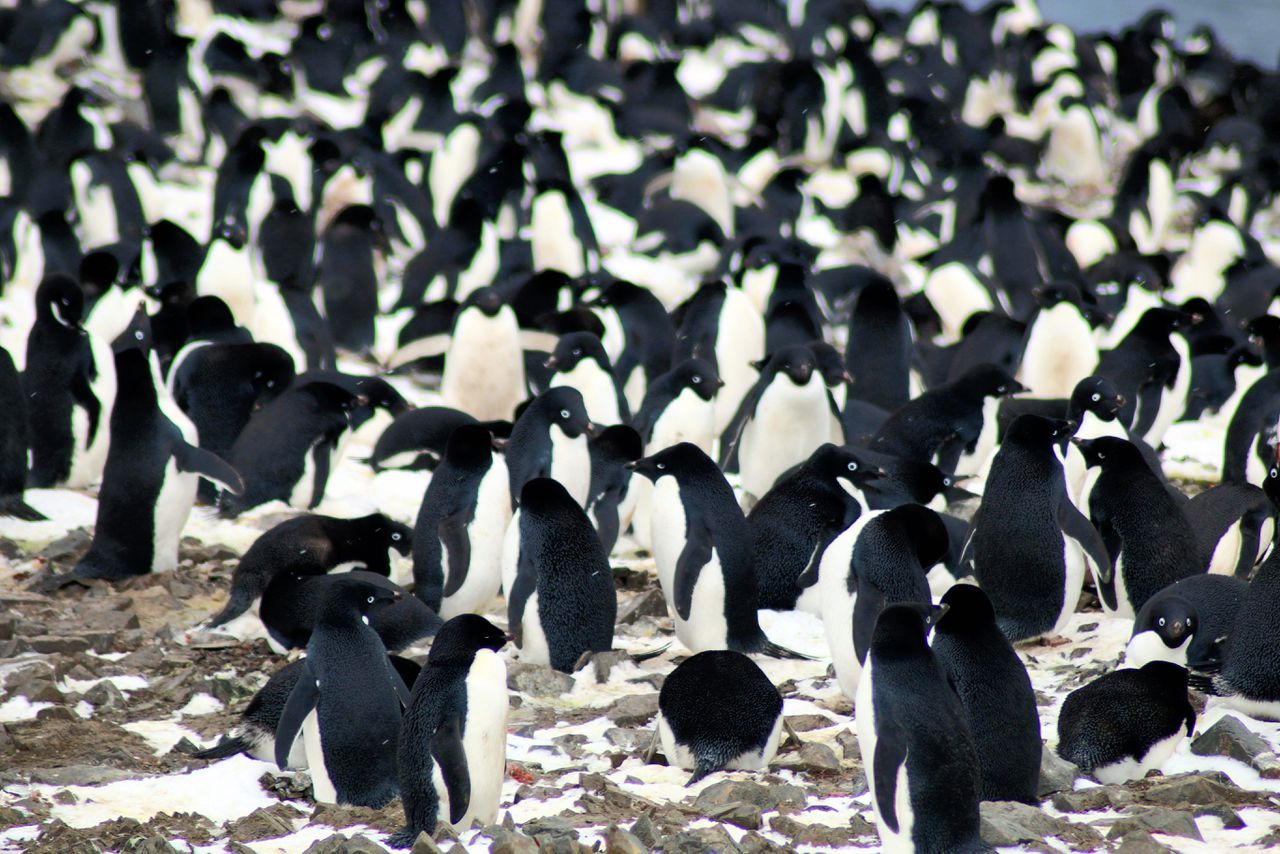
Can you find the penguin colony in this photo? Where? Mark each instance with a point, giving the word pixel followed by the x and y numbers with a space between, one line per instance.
pixel 882 317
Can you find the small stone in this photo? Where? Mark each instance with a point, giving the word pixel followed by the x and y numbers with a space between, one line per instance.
pixel 705 840
pixel 619 841
pixel 1056 774
pixel 424 845
pixel 1230 819
pixel 813 757
pixel 808 723
pixel 1008 823
pixel 633 709
pixel 104 695
pixel 650 603
pixel 1229 737
pixel 628 739
pixel 767 798
pixel 537 681
pixel 552 825
pixel 1141 842
pixel 738 813
pixel 264 823
pixel 51 644
pixel 644 830
pixel 1094 798
pixel 602 663
pixel 38 691
pixel 57 713
pixel 754 843
pixel 804 833
pixel 510 842
pixel 848 744
pixel 79 775
pixel 1193 789
pixel 339 844
pixel 1157 820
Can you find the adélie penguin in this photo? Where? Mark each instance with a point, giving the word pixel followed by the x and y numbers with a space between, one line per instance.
pixel 452 753
pixel 1126 722
pixel 579 360
pixel 916 747
pixel 346 703
pixel 613 498
pixel 702 550
pixel 1187 623
pixel 13 444
pixel 549 439
pixel 484 364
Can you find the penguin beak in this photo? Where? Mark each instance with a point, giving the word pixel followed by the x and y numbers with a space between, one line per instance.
pixel 551 363
pixel 845 378
pixel 592 430
pixel 498 444
pixel 719 383
pixel 631 466
pixel 396 595
pixel 1120 401
pixel 939 611
pixel 1177 629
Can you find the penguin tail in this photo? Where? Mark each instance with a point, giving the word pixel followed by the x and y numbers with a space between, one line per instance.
pixel 224 749
pixel 1205 683
pixel 638 657
pixel 240 601
pixel 702 769
pixel 404 838
pixel 773 650
pixel 14 507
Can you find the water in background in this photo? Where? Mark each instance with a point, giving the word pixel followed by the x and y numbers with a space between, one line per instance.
pixel 1249 28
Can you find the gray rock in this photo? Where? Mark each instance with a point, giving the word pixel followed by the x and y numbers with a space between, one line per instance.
pixel 650 603
pixel 1006 823
pixel 537 681
pixel 79 775
pixel 633 709
pixel 1141 842
pixel 38 691
pixel 1229 737
pixel 812 757
pixel 706 840
pixel 148 845
pixel 424 845
pixel 738 813
pixel 619 841
pixel 57 713
pixel 644 830
pixel 339 844
pixel 602 663
pixel 510 842
pixel 553 826
pixel 628 739
pixel 848 744
pixel 818 835
pixel 1194 789
pixel 104 695
pixel 1230 819
pixel 1056 774
pixel 51 644
pixel 768 798
pixel 1093 798
pixel 1157 820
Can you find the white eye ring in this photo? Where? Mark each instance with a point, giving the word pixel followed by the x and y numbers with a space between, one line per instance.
pixel 1274 473
pixel 577 351
pixel 1095 398
pixel 695 380
pixel 662 466
pixel 853 466
pixel 138 334
pixel 395 537
pixel 1002 389
pixel 564 413
pixel 370 600
pixel 1160 621
pixel 1101 455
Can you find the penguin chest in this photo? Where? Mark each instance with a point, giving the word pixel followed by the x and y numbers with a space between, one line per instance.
pixel 599 394
pixel 571 464
pixel 971 462
pixel 688 418
pixel 790 423
pixel 173 506
pixel 1148 646
pixel 485 531
pixel 554 243
pixel 1075 565
pixel 534 648
pixel 1173 400
pixel 1060 352
pixel 322 788
pixel 837 605
pixel 484 735
pixel 736 350
pixel 1226 553
pixel 484 368
pixel 89 452
pixel 706 627
pixel 668 528
pixel 865 724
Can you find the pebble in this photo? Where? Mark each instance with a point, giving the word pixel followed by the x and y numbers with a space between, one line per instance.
pixel 633 709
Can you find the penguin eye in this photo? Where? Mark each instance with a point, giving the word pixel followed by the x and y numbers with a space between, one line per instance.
pixel 662 466
pixel 853 466
pixel 1101 455
pixel 395 537
pixel 324 31
pixel 1274 473
pixel 138 334
pixel 577 351
pixel 695 379
pixel 1160 622
pixel 1095 398
pixel 371 602
pixel 1189 619
pixel 1001 389
pixel 946 481
pixel 66 301
pixel 564 413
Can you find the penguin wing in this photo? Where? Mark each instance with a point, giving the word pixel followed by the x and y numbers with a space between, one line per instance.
pixel 451 758
pixel 453 534
pixel 208 465
pixel 302 699
pixel 1075 526
pixel 733 433
pixel 698 548
pixel 521 589
pixel 890 754
pixel 83 397
pixel 321 456
pixel 402 690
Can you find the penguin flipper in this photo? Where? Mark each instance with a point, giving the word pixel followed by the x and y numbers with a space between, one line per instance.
pixel 452 531
pixel 696 554
pixel 1075 526
pixel 402 690
pixel 226 747
pixel 733 433
pixel 208 465
pixel 13 506
pixel 451 758
pixel 890 754
pixel 809 575
pixel 321 455
pixel 82 395
pixel 302 699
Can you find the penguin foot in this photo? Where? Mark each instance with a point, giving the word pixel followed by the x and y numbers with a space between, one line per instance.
pixel 793 737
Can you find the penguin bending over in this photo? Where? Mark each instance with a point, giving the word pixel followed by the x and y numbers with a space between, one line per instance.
pixel 1187 623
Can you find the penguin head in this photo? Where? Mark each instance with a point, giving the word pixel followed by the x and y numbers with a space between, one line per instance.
pixel 669 461
pixel 617 443
pixel 135 336
pixel 1167 678
pixel 363 597
pixel 699 375
pixel 1098 395
pixel 470 447
pixel 393 534
pixel 273 371
pixel 1051 294
pixel 573 348
pixel 902 628
pixel 846 463
pixel 547 498
pixel 990 380
pixel 565 409
pixel 380 394
pixel 796 361
pixel 361 218
pixel 923 529
pixel 459 639
pixel 232 232
pixel 60 300
pixel 1163 321
pixel 1172 618
pixel 208 316
pixel 488 300
pixel 1108 451
pixel 1036 431
pixel 830 364
pixel 968 610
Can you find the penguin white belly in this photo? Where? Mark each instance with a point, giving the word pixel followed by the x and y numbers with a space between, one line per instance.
pixel 227 273
pixel 1080 478
pixel 510 553
pixel 1137 301
pixel 735 353
pixel 635 387
pixel 837 605
pixel 1145 647
pixel 1131 768
pixel 1226 554
pixel 790 423
pixel 273 324
pixel 599 394
pixel 484 368
pixel 485 736
pixel 303 491
pixel 486 533
pixel 534 648
pixel 687 418
pixel 322 788
pixel 971 462
pixel 1124 607
pixel 1263 710
pixel 706 627
pixel 1073 582
pixel 641 491
pixel 173 506
pixel 956 294
pixel 1173 401
pixel 89 456
pixel 571 464
pixel 554 243
pixel 112 314
pixel 1060 352
pixel 262 746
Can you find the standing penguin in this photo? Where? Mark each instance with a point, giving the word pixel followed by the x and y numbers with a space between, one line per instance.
pixel 995 691
pixel 484 366
pixel 1151 367
pixel 613 500
pixel 783 419
pixel 1187 622
pixel 549 439
pixel 878 356
pixel 1030 546
pixel 740 731
pixel 346 702
pixel 882 558
pixel 452 755
pixel 916 747
pixel 1235 524
pixel 721 324
pixel 1126 722
pixel 13 444
pixel 1249 450
pixel 1144 529
pixel 70 382
pixel 148 484
pixel 1060 349
pixel 563 602
pixel 702 549
pixel 350 257
pixel 580 361
pixel 457 541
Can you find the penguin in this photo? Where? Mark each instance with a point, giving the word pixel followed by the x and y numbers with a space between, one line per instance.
pixel 416 440
pixel 740 731
pixel 13 444
pixel 348 273
pixel 254 734
pixel 1187 622
pixel 1249 450
pixel 580 361
pixel 458 536
pixel 794 522
pixel 452 754
pixel 916 747
pixel 714 309
pixel 70 383
pixel 549 439
pixel 1060 350
pixel 293 602
pixel 951 426
pixel 288 448
pixel 346 702
pixel 1151 367
pixel 701 546
pixel 878 355
pixel 1126 722
pixel 148 484
pixel 612 502
pixel 1144 530
pixel 882 558
pixel 484 366
pixel 1031 546
pixel 312 544
pixel 1235 524
pixel 562 603
pixel 638 336
pixel 996 693
pixel 783 419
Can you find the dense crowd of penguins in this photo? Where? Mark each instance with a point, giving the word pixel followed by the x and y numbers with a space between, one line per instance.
pixel 879 268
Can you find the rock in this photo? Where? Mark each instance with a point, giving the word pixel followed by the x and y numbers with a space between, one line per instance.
pixel 104 695
pixel 644 830
pixel 1056 774
pixel 619 841
pixel 767 798
pixel 633 709
pixel 79 775
pixel 72 544
pixel 537 681
pixel 650 603
pixel 148 845
pixel 628 739
pixel 812 757
pixel 424 845
pixel 38 691
pixel 603 662
pixel 1230 819
pixel 1229 737
pixel 848 745
pixel 820 835
pixel 553 826
pixel 705 840
pixel 339 844
pixel 510 842
pixel 1157 820
pixel 57 713
pixel 1140 842
pixel 754 843
pixel 738 813
pixel 52 644
pixel 1193 789
pixel 808 723
pixel 1094 798
pixel 264 823
pixel 1008 823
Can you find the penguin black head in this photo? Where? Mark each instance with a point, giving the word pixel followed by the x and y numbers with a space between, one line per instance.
pixel 1051 293
pixel 1036 431
pixel 1109 451
pixel 461 638
pixel 669 461
pixel 1098 395
pixel 346 595
pixel 208 316
pixel 1271 483
pixel 573 348
pixel 830 364
pixel 470 446
pixel 394 535
pixel 699 375
pixel 1172 618
pixel 488 300
pixel 901 629
pixel 991 381
pixel 1163 321
pixel 968 609
pixel 360 217
pixel 796 361
pixel 60 299
pixel 232 232
pixel 923 528
pixel 845 463
pixel 619 442
pixel 98 271
pixel 547 497
pixel 566 410
pixel 135 336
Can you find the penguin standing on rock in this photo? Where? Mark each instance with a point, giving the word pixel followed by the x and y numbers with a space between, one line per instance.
pixel 562 603
pixel 346 702
pixel 916 747
pixel 702 549
pixel 452 754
